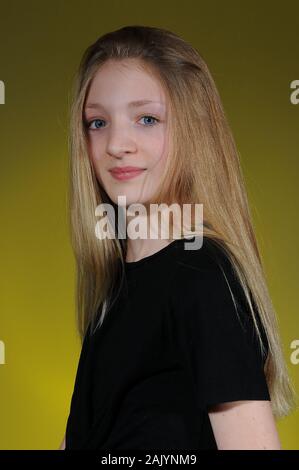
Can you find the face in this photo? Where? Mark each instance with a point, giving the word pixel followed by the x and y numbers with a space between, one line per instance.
pixel 124 131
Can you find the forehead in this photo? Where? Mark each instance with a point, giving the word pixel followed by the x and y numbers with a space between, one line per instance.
pixel 123 82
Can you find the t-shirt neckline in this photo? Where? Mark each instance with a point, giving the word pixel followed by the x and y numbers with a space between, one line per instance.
pixel 129 265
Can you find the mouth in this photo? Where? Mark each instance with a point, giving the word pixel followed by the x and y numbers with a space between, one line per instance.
pixel 122 175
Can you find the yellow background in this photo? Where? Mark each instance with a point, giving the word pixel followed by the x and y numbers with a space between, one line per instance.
pixel 252 50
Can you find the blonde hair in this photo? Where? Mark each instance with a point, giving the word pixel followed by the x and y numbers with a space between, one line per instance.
pixel 204 168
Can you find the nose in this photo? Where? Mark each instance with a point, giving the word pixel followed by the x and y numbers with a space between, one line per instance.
pixel 120 142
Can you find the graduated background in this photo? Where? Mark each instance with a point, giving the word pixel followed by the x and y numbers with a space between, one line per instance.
pixel 252 51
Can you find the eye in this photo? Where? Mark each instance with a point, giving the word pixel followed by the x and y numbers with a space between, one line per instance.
pixel 96 121
pixel 150 117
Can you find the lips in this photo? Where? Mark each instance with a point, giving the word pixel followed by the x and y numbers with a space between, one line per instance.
pixel 126 172
pixel 125 169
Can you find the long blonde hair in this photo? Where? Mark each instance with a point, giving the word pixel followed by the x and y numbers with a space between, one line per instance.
pixel 204 168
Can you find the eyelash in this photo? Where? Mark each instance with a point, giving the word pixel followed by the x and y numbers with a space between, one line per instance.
pixel 88 123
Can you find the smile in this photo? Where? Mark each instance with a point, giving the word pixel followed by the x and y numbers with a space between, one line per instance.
pixel 125 175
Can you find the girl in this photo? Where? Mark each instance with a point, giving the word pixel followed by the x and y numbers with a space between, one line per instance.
pixel 180 344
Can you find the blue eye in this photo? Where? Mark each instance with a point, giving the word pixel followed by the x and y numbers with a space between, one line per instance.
pixel 97 121
pixel 94 120
pixel 150 117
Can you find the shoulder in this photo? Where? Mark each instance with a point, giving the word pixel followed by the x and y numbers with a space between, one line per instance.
pixel 206 263
pixel 201 253
pixel 207 291
pixel 207 285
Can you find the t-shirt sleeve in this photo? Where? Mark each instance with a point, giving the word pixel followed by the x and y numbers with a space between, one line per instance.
pixel 226 359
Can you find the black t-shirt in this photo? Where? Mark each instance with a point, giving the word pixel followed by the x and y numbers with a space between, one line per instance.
pixel 171 346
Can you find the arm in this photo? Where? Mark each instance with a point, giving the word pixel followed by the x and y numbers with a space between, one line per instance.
pixel 62 445
pixel 244 425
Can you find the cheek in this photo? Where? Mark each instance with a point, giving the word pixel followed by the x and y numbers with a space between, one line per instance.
pixel 157 150
pixel 94 155
pixel 93 150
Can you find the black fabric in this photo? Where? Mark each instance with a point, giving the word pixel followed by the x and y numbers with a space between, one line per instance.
pixel 171 346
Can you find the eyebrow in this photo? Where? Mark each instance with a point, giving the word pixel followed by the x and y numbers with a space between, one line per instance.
pixel 132 104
